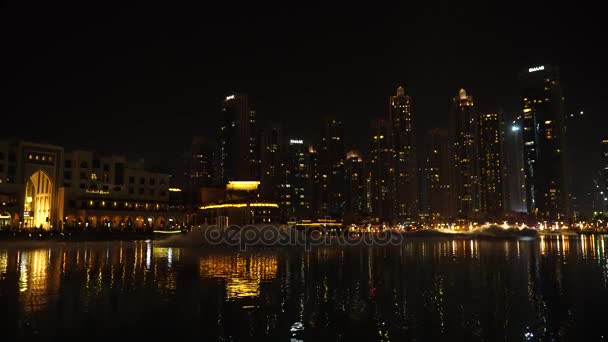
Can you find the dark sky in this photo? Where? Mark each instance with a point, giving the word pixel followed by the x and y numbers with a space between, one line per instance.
pixel 143 80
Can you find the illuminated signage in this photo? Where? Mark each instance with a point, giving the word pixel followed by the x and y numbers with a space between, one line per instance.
pixel 538 68
pixel 228 98
pixel 296 141
pixel 98 192
pixel 175 189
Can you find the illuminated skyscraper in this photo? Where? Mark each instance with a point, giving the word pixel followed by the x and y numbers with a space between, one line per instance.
pixel 315 181
pixel 604 173
pixel 438 174
pixel 547 195
pixel 464 138
pixel 355 190
pixel 272 160
pixel 200 164
pixel 238 145
pixel 490 165
pixel 331 168
pixel 382 171
pixel 514 182
pixel 295 202
pixel 402 140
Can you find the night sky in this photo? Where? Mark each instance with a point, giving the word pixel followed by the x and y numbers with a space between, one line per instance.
pixel 143 80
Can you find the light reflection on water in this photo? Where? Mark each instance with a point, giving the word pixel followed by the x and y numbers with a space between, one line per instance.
pixel 430 289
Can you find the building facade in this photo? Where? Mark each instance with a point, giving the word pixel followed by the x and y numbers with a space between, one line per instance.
pixel 331 169
pixel 200 164
pixel 402 140
pixel 438 174
pixel 544 134
pixel 31 175
pixel 51 189
pixel 296 200
pixel 382 174
pixel 356 188
pixel 238 141
pixel 514 182
pixel 464 138
pixel 272 156
pixel 490 163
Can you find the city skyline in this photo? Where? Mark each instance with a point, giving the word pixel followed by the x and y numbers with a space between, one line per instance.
pixel 122 84
pixel 122 68
pixel 303 171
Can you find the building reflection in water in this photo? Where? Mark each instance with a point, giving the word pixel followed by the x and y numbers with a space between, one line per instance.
pixel 425 289
pixel 242 273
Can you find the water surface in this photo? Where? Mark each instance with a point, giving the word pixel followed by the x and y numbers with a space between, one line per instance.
pixel 553 288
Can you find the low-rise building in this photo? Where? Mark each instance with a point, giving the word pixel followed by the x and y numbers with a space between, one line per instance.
pixel 44 187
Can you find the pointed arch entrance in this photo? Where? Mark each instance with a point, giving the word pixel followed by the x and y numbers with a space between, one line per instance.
pixel 38 200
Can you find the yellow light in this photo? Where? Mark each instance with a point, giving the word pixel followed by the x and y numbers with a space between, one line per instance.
pixel 319 224
pixel 272 205
pixel 167 231
pixel 527 110
pixel 242 185
pixel 238 205
pixel 100 192
pixel 175 189
pixel 29 199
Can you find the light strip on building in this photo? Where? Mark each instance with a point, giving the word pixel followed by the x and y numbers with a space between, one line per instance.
pixel 175 189
pixel 242 185
pixel 239 205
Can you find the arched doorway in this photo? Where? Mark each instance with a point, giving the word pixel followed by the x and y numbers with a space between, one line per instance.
pixel 116 221
pixel 92 222
pixel 139 223
pixel 160 222
pixel 38 201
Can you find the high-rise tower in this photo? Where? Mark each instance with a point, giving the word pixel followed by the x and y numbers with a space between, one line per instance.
pixel 464 138
pixel 547 195
pixel 238 145
pixel 402 141
pixel 491 189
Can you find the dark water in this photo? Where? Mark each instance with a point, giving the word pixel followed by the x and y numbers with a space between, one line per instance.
pixel 427 289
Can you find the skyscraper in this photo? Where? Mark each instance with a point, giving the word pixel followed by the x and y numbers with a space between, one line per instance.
pixel 382 171
pixel 514 183
pixel 315 181
pixel 331 168
pixel 295 202
pixel 604 175
pixel 547 195
pixel 272 158
pixel 238 145
pixel 402 140
pixel 465 148
pixel 355 190
pixel 438 175
pixel 490 165
pixel 200 164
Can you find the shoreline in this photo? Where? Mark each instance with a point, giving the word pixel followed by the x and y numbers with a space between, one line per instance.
pixel 488 234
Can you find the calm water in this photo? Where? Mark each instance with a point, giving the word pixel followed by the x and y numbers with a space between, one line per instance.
pixel 428 289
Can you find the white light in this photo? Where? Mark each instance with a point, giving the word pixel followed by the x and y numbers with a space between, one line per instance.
pixel 296 141
pixel 538 68
pixel 515 128
pixel 229 97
